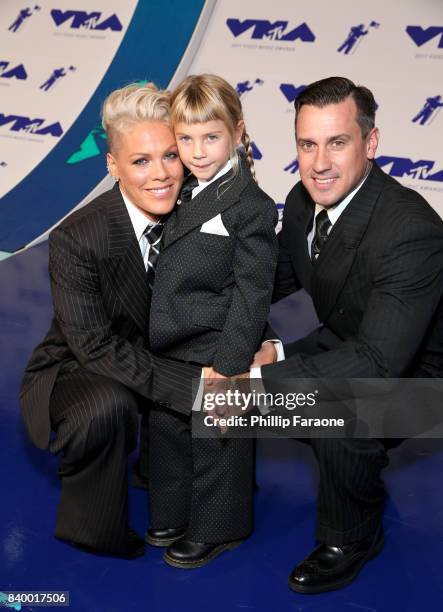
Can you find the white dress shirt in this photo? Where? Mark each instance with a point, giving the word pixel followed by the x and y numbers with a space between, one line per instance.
pixel 334 213
pixel 203 184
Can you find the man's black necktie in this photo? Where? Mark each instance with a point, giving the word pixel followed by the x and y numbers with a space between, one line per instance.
pixel 153 234
pixel 322 225
pixel 189 185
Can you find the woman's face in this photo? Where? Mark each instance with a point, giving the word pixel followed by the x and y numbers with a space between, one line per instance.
pixel 145 161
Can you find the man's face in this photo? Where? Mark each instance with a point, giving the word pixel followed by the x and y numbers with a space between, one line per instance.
pixel 332 153
pixel 146 163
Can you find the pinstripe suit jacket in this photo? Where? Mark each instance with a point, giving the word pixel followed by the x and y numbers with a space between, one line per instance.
pixel 377 285
pixel 101 310
pixel 212 292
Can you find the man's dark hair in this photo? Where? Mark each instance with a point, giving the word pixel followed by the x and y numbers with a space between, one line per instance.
pixel 337 89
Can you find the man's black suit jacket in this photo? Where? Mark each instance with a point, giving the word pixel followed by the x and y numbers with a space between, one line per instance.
pixel 377 285
pixel 101 305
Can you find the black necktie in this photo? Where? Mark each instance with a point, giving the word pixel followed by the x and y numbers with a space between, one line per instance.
pixel 322 225
pixel 153 234
pixel 186 192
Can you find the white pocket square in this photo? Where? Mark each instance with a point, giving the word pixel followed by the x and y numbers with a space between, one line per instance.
pixel 214 226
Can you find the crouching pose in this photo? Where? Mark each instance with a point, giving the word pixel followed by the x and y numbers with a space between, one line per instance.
pixel 93 371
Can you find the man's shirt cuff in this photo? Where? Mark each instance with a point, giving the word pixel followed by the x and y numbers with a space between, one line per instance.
pixel 256 372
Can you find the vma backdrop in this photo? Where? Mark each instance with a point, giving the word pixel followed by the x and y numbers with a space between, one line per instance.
pixel 271 50
pixel 60 58
pixel 58 61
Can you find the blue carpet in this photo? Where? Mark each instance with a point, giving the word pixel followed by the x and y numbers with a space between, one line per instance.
pixel 405 577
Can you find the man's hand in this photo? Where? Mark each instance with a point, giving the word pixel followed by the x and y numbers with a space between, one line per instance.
pixel 212 376
pixel 266 355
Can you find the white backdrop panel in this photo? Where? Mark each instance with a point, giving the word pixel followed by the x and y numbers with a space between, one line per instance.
pixel 267 44
pixel 52 57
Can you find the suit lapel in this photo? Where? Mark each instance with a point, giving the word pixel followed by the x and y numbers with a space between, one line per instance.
pixel 126 270
pixel 334 263
pixel 206 205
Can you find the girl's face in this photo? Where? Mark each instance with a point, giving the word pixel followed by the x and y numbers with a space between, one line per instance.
pixel 146 163
pixel 205 148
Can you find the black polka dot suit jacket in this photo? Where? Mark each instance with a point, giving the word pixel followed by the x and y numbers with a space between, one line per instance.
pixel 213 290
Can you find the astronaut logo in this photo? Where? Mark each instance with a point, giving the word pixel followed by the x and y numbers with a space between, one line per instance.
pixel 56 75
pixel 22 16
pixel 429 111
pixel 354 37
pixel 245 87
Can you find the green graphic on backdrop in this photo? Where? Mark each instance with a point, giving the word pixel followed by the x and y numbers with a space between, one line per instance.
pixel 89 147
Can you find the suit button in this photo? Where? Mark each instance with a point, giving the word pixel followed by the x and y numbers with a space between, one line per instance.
pixel 341 311
pixel 164 404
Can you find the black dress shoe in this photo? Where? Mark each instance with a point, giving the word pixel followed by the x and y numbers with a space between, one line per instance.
pixel 187 554
pixel 331 567
pixel 164 537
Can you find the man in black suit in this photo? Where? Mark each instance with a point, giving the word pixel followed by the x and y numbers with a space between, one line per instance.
pixel 93 370
pixel 370 253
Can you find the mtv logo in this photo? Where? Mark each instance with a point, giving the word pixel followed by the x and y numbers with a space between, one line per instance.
pixel 262 28
pixel 291 92
pixel 82 19
pixel 423 35
pixel 18 123
pixel 18 72
pixel 403 166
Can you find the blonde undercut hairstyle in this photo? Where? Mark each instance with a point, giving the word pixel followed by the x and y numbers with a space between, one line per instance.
pixel 208 97
pixel 125 107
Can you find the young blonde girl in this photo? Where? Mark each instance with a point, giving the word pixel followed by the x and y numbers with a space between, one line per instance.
pixel 210 303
